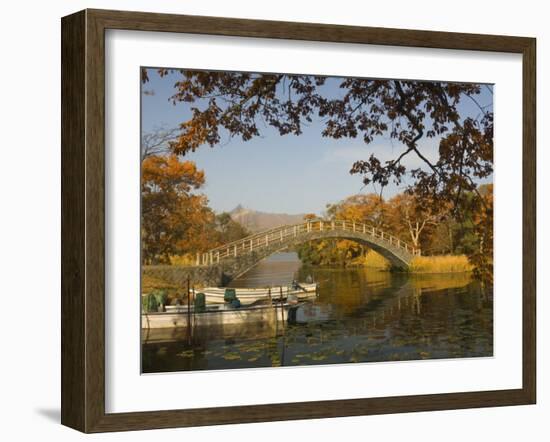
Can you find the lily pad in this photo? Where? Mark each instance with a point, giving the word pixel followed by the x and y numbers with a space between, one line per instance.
pixel 231 356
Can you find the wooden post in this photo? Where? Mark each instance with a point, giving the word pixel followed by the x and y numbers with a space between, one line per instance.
pixel 188 311
pixel 251 245
pixel 282 311
pixel 198 259
pixel 321 226
pixel 353 226
pixel 273 305
pixel 235 250
pixel 332 225
pixel 364 228
pixel 295 231
pixel 194 317
pixel 211 258
pixel 281 236
pixel 218 257
pixel 267 239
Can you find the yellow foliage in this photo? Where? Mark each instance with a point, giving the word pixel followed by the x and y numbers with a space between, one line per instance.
pixel 374 260
pixel 183 260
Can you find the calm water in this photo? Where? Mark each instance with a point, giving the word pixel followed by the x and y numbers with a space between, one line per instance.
pixel 359 316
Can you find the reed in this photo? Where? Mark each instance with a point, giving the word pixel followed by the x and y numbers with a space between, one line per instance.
pixel 440 264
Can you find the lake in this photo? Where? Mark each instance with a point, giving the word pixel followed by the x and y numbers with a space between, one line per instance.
pixel 360 315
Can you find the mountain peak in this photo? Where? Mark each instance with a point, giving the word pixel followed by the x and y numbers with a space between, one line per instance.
pixel 256 221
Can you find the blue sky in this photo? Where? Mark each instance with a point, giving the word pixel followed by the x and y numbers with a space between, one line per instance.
pixel 282 174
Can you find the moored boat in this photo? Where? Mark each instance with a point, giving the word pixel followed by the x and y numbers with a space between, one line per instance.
pixel 247 296
pixel 223 314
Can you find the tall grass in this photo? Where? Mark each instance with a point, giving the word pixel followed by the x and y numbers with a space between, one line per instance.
pixel 440 264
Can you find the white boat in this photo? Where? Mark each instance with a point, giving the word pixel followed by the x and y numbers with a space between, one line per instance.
pixel 247 296
pixel 218 315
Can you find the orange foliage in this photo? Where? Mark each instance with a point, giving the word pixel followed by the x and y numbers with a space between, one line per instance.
pixel 174 220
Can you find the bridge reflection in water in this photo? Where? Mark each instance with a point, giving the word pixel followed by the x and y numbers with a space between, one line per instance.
pixel 360 316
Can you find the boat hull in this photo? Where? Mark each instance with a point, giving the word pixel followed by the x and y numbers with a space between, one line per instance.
pixel 182 319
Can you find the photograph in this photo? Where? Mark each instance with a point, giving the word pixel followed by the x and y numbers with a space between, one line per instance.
pixel 301 219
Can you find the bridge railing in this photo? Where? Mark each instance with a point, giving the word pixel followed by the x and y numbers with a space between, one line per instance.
pixel 282 234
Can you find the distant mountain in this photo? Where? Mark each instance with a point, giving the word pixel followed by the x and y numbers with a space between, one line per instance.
pixel 256 221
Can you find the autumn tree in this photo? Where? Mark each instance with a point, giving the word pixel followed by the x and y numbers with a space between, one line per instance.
pixel 414 217
pixel 174 219
pixel 362 208
pixel 482 258
pixel 228 229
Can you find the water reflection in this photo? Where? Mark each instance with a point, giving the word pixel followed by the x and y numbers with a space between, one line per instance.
pixel 360 316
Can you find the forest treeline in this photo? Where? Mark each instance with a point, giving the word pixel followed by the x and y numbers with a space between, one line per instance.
pixel 436 229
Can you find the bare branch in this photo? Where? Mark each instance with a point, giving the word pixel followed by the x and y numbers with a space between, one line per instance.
pixel 157 142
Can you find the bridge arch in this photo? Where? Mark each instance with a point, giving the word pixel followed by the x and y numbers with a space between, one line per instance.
pixel 240 256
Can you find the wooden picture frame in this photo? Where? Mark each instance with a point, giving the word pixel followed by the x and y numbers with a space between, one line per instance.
pixel 83 220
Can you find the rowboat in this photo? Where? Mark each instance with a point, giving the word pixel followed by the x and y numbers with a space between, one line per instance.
pixel 247 296
pixel 178 316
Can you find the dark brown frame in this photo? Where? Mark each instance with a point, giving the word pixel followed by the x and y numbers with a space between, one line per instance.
pixel 83 216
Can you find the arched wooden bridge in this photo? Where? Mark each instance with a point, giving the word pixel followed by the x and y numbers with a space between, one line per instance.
pixel 239 256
